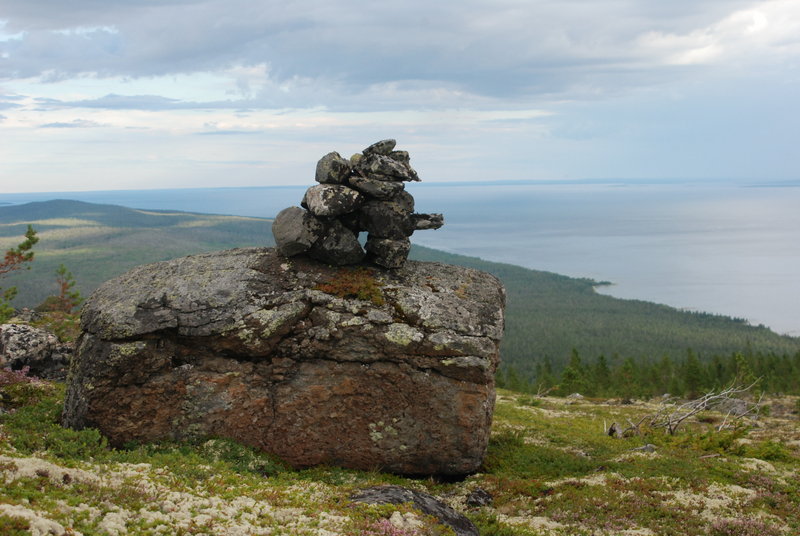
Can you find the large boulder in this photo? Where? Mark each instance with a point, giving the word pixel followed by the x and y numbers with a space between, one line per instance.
pixel 358 367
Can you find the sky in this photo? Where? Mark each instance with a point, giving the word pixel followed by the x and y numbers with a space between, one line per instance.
pixel 137 94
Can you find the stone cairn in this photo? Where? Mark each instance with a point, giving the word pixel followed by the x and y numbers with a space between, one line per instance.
pixel 365 193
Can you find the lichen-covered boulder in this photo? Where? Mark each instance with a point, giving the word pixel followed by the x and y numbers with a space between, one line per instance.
pixel 329 200
pixel 359 367
pixel 37 349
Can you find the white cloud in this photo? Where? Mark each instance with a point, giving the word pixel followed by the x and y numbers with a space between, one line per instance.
pixel 75 123
pixel 767 31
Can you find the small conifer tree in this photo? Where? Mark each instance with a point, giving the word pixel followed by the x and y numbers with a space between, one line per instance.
pixel 15 259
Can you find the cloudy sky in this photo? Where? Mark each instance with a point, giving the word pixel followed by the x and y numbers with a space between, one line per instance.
pixel 125 94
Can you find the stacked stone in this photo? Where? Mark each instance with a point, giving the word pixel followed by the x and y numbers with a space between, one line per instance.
pixel 365 193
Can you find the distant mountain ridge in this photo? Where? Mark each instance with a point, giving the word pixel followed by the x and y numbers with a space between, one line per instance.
pixel 548 315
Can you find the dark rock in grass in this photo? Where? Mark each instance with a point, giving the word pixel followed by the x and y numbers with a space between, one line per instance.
pixel 479 497
pixel 425 503
pixel 387 252
pixel 357 367
pixel 338 245
pixel 333 169
pixel 295 231
pixel 330 200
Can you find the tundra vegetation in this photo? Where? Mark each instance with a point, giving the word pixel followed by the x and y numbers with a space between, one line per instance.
pixel 551 469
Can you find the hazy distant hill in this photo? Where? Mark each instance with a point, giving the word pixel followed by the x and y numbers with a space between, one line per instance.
pixel 548 314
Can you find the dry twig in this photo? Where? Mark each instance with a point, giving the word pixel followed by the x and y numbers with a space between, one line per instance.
pixel 671 418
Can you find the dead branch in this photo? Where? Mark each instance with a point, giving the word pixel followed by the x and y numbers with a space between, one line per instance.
pixel 543 391
pixel 670 418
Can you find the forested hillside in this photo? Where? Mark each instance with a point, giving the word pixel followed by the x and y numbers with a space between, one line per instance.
pixel 554 320
pixel 551 319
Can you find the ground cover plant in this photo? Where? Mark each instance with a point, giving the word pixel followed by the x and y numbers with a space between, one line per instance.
pixel 551 469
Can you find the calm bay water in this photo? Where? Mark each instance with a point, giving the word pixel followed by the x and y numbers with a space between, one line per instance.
pixel 715 247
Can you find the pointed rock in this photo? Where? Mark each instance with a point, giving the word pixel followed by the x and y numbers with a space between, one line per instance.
pixel 424 222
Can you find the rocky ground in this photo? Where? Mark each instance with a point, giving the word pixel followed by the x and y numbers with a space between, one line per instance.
pixel 551 470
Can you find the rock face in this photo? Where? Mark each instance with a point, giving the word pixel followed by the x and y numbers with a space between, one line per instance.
pixel 365 193
pixel 358 367
pixel 22 346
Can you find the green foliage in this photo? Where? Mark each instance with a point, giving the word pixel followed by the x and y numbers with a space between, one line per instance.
pixel 645 378
pixel 67 299
pixel 17 389
pixel 13 526
pixel 36 427
pixel 241 458
pixel 710 441
pixel 510 455
pixel 59 312
pixel 488 525
pixel 358 283
pixel 14 259
pixel 769 450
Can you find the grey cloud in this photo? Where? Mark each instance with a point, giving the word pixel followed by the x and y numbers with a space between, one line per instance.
pixel 228 133
pixel 500 49
pixel 125 102
pixel 76 123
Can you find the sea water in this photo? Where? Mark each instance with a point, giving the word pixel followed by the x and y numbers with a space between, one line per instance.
pixel 718 247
